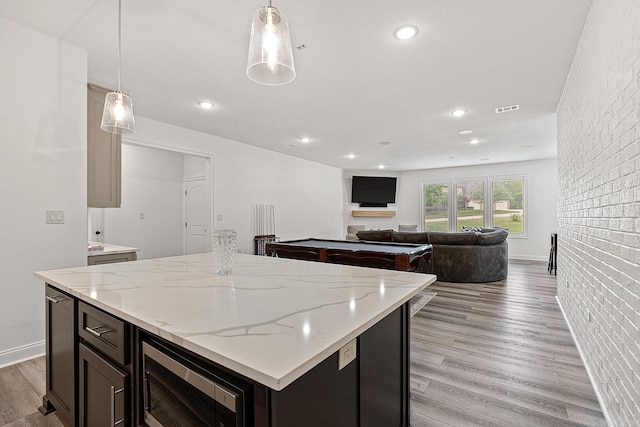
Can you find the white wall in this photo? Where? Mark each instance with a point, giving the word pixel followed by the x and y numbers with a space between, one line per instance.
pixel 306 195
pixel 541 200
pixel 599 205
pixel 42 166
pixel 152 185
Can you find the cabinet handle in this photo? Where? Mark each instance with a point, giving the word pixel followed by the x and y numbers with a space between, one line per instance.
pixel 56 299
pixel 94 331
pixel 113 406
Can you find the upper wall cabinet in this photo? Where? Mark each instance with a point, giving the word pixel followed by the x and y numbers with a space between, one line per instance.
pixel 104 156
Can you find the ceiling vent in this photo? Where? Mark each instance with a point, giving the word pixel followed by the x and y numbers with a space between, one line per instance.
pixel 507 109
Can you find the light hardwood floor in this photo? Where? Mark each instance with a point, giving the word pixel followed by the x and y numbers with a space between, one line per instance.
pixel 498 354
pixel 492 354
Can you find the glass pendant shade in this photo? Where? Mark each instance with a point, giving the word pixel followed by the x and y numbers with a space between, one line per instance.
pixel 270 60
pixel 117 116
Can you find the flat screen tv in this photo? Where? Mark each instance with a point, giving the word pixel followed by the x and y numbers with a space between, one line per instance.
pixel 373 191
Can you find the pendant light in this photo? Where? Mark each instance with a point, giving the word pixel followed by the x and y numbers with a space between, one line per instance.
pixel 117 116
pixel 270 60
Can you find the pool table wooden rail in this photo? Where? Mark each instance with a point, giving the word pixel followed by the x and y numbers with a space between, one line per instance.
pixel 391 256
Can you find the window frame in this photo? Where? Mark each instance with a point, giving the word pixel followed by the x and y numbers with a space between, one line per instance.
pixel 488 216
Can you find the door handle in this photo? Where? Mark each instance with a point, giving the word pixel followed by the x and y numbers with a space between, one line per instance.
pixel 94 331
pixel 56 299
pixel 113 406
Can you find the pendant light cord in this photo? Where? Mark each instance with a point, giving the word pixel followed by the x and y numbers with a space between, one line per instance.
pixel 119 39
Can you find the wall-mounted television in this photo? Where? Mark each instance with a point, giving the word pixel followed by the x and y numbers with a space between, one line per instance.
pixel 373 191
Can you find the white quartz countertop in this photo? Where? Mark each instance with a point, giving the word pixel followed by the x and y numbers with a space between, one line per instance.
pixel 110 249
pixel 272 320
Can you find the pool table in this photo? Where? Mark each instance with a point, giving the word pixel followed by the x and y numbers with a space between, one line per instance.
pixel 391 256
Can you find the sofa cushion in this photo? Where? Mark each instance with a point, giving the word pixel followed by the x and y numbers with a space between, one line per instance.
pixel 375 235
pixel 458 238
pixel 410 237
pixel 493 237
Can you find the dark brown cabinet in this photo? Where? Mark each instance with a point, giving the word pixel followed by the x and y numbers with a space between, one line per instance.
pixel 89 364
pixel 104 391
pixel 105 368
pixel 97 365
pixel 61 350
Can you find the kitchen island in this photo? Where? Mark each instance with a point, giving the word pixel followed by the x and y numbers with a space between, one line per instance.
pixel 310 343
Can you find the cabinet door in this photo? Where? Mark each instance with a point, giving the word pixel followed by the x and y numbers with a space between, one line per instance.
pixel 104 391
pixel 103 156
pixel 61 354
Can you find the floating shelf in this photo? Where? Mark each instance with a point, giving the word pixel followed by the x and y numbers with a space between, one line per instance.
pixel 374 213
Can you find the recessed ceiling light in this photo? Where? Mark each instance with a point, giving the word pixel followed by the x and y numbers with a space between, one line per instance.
pixel 451 157
pixel 385 143
pixel 474 141
pixel 206 105
pixel 305 139
pixel 465 132
pixel 406 32
pixel 458 113
pixel 380 166
pixel 351 156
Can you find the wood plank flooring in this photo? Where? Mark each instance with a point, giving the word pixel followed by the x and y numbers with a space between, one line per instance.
pixel 492 354
pixel 21 390
pixel 498 354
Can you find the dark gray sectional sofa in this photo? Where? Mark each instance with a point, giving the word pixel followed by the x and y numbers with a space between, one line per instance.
pixel 467 256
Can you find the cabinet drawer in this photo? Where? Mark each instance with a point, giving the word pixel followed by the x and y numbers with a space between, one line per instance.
pixel 106 333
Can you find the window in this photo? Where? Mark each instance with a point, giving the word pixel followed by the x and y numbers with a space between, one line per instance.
pixel 504 197
pixel 470 204
pixel 436 206
pixel 508 204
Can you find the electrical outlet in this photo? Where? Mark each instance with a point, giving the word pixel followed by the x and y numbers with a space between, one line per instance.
pixel 347 354
pixel 141 215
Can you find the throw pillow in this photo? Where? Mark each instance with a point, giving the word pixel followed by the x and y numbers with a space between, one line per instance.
pixel 465 228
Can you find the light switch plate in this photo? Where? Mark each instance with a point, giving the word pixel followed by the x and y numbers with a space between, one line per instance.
pixel 55 217
pixel 347 354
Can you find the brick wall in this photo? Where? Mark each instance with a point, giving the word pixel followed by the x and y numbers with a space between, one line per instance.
pixel 599 204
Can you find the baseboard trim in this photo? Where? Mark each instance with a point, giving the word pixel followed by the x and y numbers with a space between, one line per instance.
pixel 21 354
pixel 607 417
pixel 529 257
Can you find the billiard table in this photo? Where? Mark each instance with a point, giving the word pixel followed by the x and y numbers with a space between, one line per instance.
pixel 391 256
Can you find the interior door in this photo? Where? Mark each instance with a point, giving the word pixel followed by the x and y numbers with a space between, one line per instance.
pixel 196 229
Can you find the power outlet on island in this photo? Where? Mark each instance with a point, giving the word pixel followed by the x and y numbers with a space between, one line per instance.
pixel 347 354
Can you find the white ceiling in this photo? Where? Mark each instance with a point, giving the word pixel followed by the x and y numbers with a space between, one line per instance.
pixel 356 85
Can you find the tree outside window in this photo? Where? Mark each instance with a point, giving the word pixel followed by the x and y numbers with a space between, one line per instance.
pixel 508 204
pixel 470 204
pixel 436 207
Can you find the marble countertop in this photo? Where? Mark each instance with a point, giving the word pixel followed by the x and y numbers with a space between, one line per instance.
pixel 272 320
pixel 110 249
